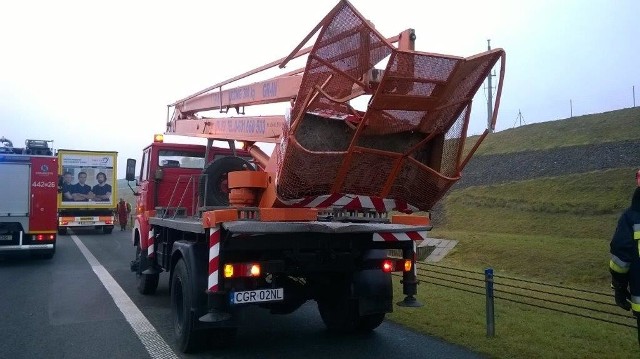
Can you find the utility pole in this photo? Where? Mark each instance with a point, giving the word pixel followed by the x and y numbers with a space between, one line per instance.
pixel 571 107
pixel 633 88
pixel 519 119
pixel 489 94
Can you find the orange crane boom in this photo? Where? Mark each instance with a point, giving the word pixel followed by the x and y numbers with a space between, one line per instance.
pixel 407 146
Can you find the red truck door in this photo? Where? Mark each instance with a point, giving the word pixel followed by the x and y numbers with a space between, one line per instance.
pixel 43 209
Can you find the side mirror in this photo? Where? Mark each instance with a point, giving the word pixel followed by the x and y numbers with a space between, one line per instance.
pixel 131 170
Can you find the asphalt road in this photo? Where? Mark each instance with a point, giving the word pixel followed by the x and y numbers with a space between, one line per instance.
pixel 59 308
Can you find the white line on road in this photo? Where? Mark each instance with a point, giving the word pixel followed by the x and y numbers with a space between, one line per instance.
pixel 152 341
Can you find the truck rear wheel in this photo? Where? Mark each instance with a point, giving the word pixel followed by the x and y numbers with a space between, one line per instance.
pixel 45 254
pixel 340 312
pixel 62 231
pixel 107 229
pixel 147 283
pixel 182 298
pixel 342 316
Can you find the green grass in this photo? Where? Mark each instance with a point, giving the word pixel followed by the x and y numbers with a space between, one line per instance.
pixel 581 262
pixel 583 205
pixel 553 230
pixel 620 125
pixel 520 331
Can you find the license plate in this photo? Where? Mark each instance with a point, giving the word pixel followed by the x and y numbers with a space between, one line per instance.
pixel 257 296
pixel 6 237
pixel 85 223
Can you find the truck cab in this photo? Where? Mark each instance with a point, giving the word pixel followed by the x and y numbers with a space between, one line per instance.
pixel 173 176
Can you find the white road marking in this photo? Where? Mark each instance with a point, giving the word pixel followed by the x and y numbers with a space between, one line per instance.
pixel 152 341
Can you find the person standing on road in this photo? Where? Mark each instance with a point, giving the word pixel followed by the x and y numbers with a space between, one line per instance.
pixel 123 209
pixel 625 259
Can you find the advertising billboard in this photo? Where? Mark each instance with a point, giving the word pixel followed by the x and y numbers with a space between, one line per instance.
pixel 88 179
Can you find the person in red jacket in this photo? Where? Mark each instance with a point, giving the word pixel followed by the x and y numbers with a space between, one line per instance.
pixel 123 209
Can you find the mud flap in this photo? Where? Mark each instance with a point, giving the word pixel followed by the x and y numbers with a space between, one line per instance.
pixel 373 288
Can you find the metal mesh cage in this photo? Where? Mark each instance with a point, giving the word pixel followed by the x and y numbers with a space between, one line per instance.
pixel 408 144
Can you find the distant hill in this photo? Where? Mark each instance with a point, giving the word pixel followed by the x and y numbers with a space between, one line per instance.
pixel 579 154
pixel 587 143
pixel 612 126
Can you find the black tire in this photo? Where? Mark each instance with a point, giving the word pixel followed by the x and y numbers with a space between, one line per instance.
pixel 45 254
pixel 212 186
pixel 107 229
pixel 147 283
pixel 341 314
pixel 62 231
pixel 49 254
pixel 182 297
pixel 217 338
pixel 370 322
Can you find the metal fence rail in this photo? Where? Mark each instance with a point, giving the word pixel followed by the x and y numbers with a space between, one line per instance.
pixel 568 300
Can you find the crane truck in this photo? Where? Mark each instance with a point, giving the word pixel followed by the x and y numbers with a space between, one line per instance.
pixel 317 219
pixel 28 190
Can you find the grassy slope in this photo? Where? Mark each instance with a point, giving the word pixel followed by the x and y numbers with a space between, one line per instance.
pixel 555 230
pixel 620 125
pixel 520 331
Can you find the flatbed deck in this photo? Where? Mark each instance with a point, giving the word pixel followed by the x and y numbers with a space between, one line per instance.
pixel 194 225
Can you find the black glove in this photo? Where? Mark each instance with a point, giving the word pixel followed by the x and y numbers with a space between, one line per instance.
pixel 620 285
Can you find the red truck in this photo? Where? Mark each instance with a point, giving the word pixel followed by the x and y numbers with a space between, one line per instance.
pixel 317 219
pixel 28 198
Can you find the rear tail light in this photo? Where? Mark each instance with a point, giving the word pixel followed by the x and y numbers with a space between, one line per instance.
pixel 407 265
pixel 236 270
pixel 254 270
pixel 396 265
pixel 44 237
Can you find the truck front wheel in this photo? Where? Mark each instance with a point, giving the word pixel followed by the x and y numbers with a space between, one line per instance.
pixel 182 298
pixel 147 283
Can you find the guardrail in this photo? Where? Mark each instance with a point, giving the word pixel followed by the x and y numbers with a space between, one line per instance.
pixel 578 302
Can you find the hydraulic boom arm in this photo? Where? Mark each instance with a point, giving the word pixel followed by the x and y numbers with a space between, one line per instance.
pixel 408 146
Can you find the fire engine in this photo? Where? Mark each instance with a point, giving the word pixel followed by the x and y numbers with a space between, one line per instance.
pixel 318 218
pixel 28 192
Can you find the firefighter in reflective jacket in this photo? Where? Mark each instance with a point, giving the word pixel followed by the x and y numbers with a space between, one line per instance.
pixel 625 260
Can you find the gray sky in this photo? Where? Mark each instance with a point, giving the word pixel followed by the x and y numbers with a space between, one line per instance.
pixel 98 76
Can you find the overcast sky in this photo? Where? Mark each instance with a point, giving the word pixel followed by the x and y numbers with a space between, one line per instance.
pixel 98 75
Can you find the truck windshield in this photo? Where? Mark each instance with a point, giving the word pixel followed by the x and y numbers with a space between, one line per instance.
pixel 182 159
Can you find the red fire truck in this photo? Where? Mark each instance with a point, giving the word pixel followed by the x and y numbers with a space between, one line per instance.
pixel 28 192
